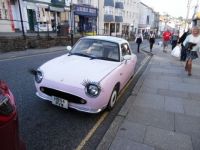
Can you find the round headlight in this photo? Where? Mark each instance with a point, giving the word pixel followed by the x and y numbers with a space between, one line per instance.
pixel 92 90
pixel 38 76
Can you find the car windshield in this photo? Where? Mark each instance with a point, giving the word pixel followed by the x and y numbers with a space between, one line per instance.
pixel 97 49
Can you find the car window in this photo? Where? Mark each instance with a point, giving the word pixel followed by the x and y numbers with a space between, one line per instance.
pixel 125 49
pixel 98 49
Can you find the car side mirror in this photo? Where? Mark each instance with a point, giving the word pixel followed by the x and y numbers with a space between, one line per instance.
pixel 127 57
pixel 69 48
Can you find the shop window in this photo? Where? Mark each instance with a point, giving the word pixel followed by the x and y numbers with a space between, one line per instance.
pixel 3 5
pixel 6 14
pixel 117 27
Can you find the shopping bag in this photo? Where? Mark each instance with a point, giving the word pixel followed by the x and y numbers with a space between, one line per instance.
pixel 176 52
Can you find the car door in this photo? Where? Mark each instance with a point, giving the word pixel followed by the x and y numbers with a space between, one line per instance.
pixel 127 66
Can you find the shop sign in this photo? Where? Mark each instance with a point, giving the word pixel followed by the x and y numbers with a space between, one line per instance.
pixel 85 11
pixel 58 2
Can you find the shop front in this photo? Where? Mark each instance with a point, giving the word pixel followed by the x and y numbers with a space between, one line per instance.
pixel 38 16
pixel 85 19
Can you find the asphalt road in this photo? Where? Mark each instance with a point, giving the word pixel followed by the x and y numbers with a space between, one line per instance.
pixel 44 126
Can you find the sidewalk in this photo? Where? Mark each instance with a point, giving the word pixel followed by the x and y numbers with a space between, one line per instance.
pixel 163 112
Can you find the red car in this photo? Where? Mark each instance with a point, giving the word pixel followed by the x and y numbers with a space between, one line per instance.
pixel 9 130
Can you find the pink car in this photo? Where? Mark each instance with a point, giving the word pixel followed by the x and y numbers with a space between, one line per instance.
pixel 89 77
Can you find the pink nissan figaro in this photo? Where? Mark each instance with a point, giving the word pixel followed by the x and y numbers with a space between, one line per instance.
pixel 89 77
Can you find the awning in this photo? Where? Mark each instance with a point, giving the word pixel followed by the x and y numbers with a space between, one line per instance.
pixel 108 18
pixel 109 3
pixel 118 19
pixel 119 5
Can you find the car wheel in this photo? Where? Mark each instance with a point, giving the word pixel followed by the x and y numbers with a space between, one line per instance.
pixel 113 99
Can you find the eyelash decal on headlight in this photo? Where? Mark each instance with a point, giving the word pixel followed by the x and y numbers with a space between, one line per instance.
pixel 88 82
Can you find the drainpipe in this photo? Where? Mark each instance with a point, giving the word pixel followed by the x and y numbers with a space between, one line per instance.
pixel 20 12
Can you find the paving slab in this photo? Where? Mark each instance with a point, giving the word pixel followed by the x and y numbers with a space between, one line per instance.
pixel 165 70
pixel 173 104
pixel 191 81
pixel 174 93
pixel 195 96
pixel 184 87
pixel 167 140
pixel 173 79
pixel 187 124
pixel 196 142
pixel 192 107
pixel 156 84
pixel 126 144
pixel 132 131
pixel 150 100
pixel 151 117
pixel 148 90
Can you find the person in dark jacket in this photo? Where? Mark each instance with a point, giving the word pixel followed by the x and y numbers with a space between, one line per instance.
pixel 139 40
pixel 183 50
pixel 174 39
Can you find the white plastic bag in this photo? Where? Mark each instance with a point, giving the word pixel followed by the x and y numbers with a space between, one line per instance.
pixel 176 52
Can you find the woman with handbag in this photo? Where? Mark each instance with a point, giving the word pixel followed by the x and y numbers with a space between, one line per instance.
pixel 192 44
pixel 180 42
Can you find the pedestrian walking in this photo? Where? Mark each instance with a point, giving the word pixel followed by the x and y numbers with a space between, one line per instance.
pixel 138 40
pixel 174 39
pixel 192 44
pixel 151 40
pixel 183 50
pixel 166 39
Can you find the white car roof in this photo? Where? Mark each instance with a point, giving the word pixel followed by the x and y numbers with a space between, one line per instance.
pixel 107 38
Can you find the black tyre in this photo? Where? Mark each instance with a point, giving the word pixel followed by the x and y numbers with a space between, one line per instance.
pixel 113 99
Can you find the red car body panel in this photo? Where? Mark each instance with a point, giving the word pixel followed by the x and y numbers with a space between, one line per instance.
pixel 9 129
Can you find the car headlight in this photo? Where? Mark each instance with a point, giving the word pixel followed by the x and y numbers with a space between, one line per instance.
pixel 92 90
pixel 38 76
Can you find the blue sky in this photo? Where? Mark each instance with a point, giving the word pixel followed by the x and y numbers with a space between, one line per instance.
pixel 175 8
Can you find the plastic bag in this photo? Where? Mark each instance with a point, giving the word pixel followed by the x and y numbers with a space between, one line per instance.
pixel 176 52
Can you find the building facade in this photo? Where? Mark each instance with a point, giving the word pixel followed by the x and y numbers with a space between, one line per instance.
pixel 148 20
pixel 113 16
pixel 6 16
pixel 39 15
pixel 88 17
pixel 131 16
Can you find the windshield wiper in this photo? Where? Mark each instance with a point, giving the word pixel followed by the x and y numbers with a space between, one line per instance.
pixel 80 54
pixel 102 58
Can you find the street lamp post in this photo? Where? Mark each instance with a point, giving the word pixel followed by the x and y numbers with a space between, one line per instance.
pixel 20 12
pixel 188 10
pixel 71 16
pixel 98 17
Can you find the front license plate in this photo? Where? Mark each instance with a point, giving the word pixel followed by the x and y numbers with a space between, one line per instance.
pixel 60 102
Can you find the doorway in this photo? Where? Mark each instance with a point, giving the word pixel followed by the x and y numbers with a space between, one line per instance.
pixel 31 19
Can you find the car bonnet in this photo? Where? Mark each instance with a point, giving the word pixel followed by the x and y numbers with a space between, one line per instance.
pixel 74 70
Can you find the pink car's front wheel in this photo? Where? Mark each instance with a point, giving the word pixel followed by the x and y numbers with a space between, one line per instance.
pixel 113 99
